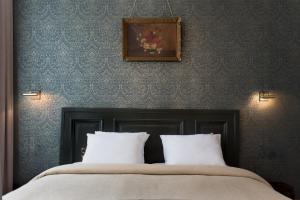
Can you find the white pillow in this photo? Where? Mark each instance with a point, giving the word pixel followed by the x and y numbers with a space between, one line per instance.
pixel 102 132
pixel 125 148
pixel 200 149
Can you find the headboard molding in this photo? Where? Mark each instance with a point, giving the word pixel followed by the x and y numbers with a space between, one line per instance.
pixel 76 122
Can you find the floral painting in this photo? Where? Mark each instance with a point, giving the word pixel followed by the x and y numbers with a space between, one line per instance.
pixel 152 39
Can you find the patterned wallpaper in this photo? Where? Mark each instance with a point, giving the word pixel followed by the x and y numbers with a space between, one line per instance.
pixel 71 50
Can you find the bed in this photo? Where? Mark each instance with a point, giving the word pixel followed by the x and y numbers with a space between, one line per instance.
pixel 153 180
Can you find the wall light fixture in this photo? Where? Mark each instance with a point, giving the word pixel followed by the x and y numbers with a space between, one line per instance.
pixel 33 94
pixel 266 95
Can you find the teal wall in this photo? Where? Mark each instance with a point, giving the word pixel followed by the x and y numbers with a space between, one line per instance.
pixel 71 50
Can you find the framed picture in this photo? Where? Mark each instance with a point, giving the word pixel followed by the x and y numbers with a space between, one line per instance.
pixel 152 39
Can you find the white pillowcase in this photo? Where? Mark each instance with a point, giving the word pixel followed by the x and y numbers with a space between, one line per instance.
pixel 111 148
pixel 102 132
pixel 200 149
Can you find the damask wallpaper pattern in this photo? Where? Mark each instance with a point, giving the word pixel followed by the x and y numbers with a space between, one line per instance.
pixel 71 50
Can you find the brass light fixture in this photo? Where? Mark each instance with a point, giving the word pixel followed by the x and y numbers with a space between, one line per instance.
pixel 266 95
pixel 33 94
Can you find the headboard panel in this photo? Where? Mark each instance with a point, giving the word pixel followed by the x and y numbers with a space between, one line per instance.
pixel 76 122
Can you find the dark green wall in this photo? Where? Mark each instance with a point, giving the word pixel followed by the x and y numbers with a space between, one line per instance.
pixel 71 49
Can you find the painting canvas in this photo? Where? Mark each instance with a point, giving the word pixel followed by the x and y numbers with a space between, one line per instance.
pixel 152 39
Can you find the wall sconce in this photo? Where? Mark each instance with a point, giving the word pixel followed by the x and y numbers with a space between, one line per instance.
pixel 33 94
pixel 266 95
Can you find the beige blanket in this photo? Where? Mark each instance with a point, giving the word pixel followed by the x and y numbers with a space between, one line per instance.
pixel 148 182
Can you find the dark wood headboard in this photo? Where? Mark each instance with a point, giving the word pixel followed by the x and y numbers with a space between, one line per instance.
pixel 76 122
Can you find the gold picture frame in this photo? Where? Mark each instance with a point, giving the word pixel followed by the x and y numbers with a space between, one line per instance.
pixel 152 39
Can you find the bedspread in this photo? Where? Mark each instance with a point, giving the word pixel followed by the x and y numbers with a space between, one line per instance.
pixel 145 182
